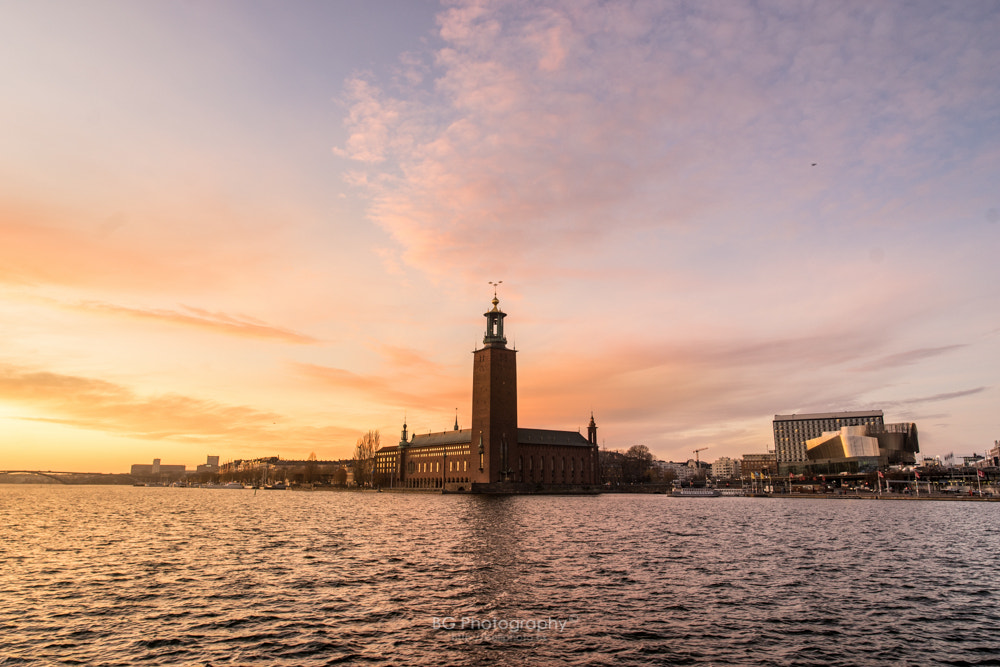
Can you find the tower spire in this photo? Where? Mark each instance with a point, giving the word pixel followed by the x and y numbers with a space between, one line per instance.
pixel 494 322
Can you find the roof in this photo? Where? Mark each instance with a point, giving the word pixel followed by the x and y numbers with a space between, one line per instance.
pixel 525 436
pixel 540 436
pixel 461 437
pixel 828 415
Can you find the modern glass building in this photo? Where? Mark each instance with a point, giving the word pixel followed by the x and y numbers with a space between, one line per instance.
pixel 792 431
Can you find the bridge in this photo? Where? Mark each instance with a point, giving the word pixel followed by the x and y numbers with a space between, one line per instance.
pixel 63 477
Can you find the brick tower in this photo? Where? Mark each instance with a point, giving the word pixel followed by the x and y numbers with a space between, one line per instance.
pixel 494 403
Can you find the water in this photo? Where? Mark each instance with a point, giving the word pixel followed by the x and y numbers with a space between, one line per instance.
pixel 150 576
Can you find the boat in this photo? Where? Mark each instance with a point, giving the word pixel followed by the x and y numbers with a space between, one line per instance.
pixel 695 490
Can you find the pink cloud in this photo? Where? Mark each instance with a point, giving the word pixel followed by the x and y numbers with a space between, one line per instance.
pixel 554 127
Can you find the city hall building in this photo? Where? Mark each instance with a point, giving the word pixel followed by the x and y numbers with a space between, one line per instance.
pixel 495 454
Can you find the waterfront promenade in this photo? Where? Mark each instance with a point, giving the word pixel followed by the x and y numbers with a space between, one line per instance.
pixel 887 496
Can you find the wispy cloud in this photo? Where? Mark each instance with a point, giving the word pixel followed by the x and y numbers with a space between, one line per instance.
pixel 909 357
pixel 217 322
pixel 936 398
pixel 97 405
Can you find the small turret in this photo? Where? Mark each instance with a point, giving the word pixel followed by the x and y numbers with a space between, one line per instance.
pixel 494 326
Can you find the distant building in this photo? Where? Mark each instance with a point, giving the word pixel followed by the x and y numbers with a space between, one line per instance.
pixel 156 469
pixel 681 472
pixel 858 448
pixel 725 468
pixel 973 461
pixel 760 465
pixel 994 454
pixel 274 469
pixel 792 431
pixel 210 465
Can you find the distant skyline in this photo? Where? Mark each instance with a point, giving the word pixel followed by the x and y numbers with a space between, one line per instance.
pixel 253 229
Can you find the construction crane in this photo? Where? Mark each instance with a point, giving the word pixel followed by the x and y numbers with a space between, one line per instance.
pixel 697 463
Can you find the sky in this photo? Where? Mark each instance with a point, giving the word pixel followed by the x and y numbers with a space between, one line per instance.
pixel 259 228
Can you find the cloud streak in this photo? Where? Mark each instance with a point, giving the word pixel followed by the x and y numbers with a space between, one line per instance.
pixel 221 323
pixel 97 405
pixel 937 398
pixel 909 357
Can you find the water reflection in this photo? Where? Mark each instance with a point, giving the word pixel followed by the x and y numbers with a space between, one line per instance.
pixel 186 576
pixel 491 537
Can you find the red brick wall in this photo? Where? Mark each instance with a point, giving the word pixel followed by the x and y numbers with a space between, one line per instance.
pixel 494 409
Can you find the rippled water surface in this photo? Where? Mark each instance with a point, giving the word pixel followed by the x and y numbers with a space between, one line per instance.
pixel 159 576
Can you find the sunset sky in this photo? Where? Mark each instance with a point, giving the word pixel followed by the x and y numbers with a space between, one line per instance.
pixel 264 228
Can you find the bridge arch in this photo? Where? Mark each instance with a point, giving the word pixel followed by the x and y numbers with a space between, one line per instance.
pixel 39 473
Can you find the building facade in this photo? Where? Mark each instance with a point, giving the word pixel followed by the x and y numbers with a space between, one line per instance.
pixel 495 453
pixel 157 469
pixel 273 469
pixel 759 465
pixel 857 449
pixel 680 472
pixel 211 465
pixel 725 468
pixel 792 431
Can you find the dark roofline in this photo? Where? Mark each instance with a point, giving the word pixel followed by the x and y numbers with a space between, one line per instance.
pixel 828 415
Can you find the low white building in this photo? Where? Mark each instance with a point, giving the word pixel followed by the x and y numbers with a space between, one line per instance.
pixel 680 471
pixel 725 468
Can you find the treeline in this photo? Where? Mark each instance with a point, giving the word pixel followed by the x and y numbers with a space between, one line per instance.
pixel 297 473
pixel 631 467
pixel 364 458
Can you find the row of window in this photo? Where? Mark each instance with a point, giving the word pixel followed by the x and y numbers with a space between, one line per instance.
pixel 560 469
pixel 435 466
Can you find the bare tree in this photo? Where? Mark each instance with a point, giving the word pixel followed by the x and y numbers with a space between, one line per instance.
pixel 364 458
pixel 310 472
pixel 638 462
pixel 612 467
